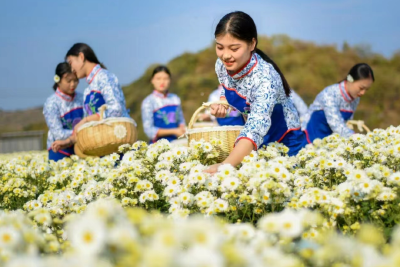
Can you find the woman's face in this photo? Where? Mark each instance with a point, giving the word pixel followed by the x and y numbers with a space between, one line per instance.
pixel 359 88
pixel 77 65
pixel 161 81
pixel 233 52
pixel 68 83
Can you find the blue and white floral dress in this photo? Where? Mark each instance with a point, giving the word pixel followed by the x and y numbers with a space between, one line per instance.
pixel 232 118
pixel 62 112
pixel 104 88
pixel 329 112
pixel 161 111
pixel 257 91
pixel 300 105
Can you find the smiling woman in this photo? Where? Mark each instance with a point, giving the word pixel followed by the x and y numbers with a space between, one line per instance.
pixel 254 85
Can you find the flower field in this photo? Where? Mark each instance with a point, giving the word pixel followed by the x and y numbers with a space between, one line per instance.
pixel 335 204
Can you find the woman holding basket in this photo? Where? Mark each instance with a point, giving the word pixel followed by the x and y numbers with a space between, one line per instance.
pixel 336 104
pixel 254 85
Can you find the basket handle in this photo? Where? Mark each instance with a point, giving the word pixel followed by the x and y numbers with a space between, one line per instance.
pixel 208 105
pixel 102 109
pixel 360 125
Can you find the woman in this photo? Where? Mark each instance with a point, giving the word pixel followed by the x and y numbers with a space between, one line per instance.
pixel 103 88
pixel 337 103
pixel 255 86
pixel 62 111
pixel 162 114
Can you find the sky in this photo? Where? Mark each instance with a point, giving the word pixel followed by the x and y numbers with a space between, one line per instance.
pixel 128 36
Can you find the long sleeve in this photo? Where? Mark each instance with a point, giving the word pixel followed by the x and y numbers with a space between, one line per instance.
pixel 299 104
pixel 259 120
pixel 335 119
pixel 53 119
pixel 114 98
pixel 148 120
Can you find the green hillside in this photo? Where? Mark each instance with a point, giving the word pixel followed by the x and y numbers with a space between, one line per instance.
pixel 308 68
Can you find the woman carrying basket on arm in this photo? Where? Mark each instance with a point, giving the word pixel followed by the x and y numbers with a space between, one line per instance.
pixel 62 111
pixel 103 88
pixel 162 114
pixel 336 104
pixel 255 86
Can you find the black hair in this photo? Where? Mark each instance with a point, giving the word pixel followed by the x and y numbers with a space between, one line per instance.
pixel 361 71
pixel 161 69
pixel 86 50
pixel 61 69
pixel 241 26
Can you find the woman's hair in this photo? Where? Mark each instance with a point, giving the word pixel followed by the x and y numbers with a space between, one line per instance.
pixel 161 69
pixel 86 50
pixel 61 69
pixel 241 26
pixel 361 71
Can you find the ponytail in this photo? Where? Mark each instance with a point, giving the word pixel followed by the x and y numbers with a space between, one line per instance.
pixel 87 51
pixel 270 61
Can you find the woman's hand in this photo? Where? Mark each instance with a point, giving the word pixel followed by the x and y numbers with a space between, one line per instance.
pixel 181 130
pixel 218 110
pixel 61 144
pixel 213 168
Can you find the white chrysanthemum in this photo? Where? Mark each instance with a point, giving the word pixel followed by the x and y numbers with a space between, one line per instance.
pixel 387 194
pixel 358 175
pixel 173 180
pixel 87 235
pixel 231 183
pixel 167 156
pixel 171 191
pixel 207 147
pixel 269 223
pixel 290 224
pixel 394 178
pixel 186 198
pixel 265 197
pixel 226 170
pixel 220 205
pixel 198 178
pixel 9 237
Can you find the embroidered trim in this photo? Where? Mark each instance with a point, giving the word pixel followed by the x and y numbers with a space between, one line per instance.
pixel 233 89
pixel 288 131
pixel 164 107
pixel 94 75
pixel 245 65
pixel 307 137
pixel 254 144
pixel 71 111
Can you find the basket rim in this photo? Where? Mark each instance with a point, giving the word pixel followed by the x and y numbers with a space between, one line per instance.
pixel 215 129
pixel 105 121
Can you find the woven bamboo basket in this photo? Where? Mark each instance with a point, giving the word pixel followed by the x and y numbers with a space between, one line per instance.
pixel 103 137
pixel 204 124
pixel 360 125
pixel 226 134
